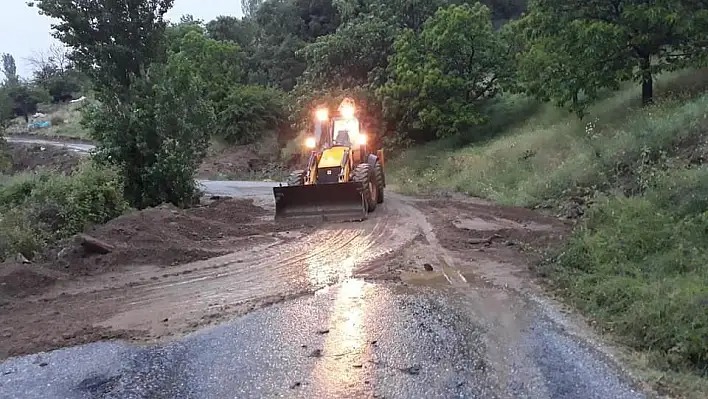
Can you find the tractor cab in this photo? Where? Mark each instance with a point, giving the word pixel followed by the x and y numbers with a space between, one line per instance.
pixel 342 130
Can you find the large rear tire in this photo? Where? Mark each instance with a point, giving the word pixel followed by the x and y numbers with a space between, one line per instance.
pixel 380 182
pixel 364 174
pixel 296 178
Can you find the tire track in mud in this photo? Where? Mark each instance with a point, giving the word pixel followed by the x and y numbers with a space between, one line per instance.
pixel 164 302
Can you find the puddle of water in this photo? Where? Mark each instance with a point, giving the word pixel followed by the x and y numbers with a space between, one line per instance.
pixel 480 224
pixel 476 224
pixel 424 278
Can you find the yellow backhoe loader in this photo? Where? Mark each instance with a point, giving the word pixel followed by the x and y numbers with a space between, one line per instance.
pixel 344 180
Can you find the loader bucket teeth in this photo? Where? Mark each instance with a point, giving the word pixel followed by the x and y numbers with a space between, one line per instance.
pixel 336 202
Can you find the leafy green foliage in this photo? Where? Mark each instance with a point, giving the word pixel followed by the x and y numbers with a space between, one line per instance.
pixel 6 108
pixel 158 138
pixel 350 57
pixel 5 160
pixel 25 98
pixel 36 210
pixel 641 270
pixel 440 76
pixel 252 111
pixel 578 48
pixel 9 69
pixel 219 64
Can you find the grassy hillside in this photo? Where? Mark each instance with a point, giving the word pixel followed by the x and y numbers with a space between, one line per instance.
pixel 638 261
pixel 65 120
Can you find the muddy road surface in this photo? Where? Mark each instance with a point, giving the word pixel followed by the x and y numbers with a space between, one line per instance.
pixel 427 298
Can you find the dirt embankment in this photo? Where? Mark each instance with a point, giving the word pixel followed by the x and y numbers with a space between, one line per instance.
pixel 164 236
pixel 77 286
pixel 244 162
pixel 31 157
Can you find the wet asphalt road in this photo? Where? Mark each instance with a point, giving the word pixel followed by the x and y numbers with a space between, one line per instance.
pixel 353 340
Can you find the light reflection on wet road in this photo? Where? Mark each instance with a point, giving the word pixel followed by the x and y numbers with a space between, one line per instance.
pixel 350 339
pixel 353 340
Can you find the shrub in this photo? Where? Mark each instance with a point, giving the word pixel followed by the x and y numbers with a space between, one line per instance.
pixel 158 139
pixel 640 266
pixel 36 210
pixel 57 120
pixel 250 111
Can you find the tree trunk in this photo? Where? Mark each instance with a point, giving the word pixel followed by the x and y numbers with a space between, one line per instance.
pixel 647 81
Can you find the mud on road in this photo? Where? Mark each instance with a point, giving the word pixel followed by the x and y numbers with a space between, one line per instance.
pixel 173 271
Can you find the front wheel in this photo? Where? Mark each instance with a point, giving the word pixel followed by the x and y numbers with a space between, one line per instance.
pixel 363 174
pixel 296 178
pixel 379 177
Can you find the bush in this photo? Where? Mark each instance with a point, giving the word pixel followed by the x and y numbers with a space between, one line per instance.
pixel 159 137
pixel 36 210
pixel 250 111
pixel 640 266
pixel 57 120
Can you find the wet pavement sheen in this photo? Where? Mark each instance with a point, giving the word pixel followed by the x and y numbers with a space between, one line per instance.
pixel 351 340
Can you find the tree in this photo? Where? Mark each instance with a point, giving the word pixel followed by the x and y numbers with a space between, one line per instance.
pixel 440 78
pixel 56 59
pixel 250 7
pixel 219 63
pixel 159 137
pixel 352 61
pixel 175 33
pixel 9 69
pixel 25 98
pixel 579 47
pixel 251 111
pixel 110 41
pixel 55 73
pixel 242 31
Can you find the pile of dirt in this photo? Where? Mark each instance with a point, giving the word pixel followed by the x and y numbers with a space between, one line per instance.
pixel 486 226
pixel 19 280
pixel 168 236
pixel 30 157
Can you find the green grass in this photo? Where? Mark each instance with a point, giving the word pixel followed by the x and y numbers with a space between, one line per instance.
pixel 65 118
pixel 637 263
pixel 639 266
pixel 552 154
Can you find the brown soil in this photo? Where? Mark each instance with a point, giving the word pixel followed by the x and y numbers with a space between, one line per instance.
pixel 30 157
pixel 475 226
pixel 173 271
pixel 168 236
pixel 243 162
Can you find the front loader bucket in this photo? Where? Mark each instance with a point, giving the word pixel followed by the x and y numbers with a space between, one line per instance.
pixel 335 202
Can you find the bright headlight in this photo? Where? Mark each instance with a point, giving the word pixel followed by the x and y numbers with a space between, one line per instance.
pixel 310 142
pixel 361 139
pixel 322 114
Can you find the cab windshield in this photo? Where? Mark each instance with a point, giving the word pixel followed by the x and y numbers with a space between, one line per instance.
pixel 345 131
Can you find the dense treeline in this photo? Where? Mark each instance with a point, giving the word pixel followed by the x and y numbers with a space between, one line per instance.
pixel 419 70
